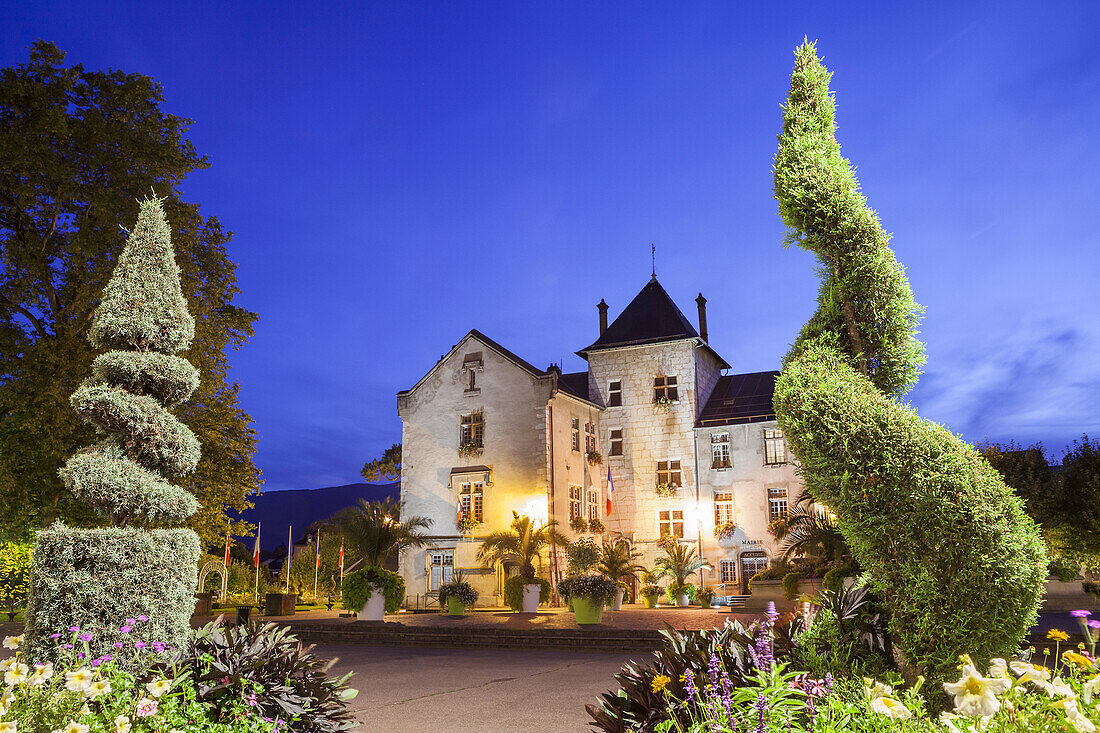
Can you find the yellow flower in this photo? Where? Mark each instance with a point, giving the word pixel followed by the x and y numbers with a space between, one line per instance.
pixel 79 680
pixel 7 727
pixel 891 708
pixel 16 674
pixel 976 696
pixel 122 724
pixel 660 682
pixel 158 687
pixel 1081 661
pixel 1057 635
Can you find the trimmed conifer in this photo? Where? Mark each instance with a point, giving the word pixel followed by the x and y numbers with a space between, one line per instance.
pixel 943 539
pixel 96 579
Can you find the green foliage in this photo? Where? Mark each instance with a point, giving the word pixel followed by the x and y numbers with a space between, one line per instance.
pixel 357 588
pixel 15 563
pixel 810 531
pixel 303 565
pixel 266 661
pixel 598 588
pixel 674 590
pixel 375 531
pixel 1063 569
pixel 834 579
pixel 942 538
pixel 617 561
pixel 705 596
pixel 80 148
pixel 513 591
pixel 460 589
pixel 790 585
pixel 581 556
pixel 96 579
pixel 386 467
pixel 679 563
pixel 524 541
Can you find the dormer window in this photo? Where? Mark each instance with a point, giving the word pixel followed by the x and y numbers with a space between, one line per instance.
pixel 471 365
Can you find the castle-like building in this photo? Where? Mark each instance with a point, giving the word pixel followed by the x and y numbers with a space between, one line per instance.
pixel 691 451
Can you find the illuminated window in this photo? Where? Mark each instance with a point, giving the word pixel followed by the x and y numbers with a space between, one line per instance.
pixel 777 503
pixel 576 428
pixel 775 448
pixel 473 430
pixel 615 393
pixel 576 498
pixel 671 523
pixel 616 443
pixel 720 450
pixel 669 474
pixel 723 508
pixel 728 568
pixel 590 443
pixel 665 389
pixel 593 504
pixel 470 502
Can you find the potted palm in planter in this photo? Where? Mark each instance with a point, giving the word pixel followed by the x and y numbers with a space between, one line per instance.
pixel 679 563
pixel 650 591
pixel 524 542
pixel 457 596
pixel 617 563
pixel 588 594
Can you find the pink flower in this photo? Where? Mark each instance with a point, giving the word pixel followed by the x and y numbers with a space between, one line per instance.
pixel 143 617
pixel 125 629
pixel 1080 613
pixel 146 708
pixel 1093 624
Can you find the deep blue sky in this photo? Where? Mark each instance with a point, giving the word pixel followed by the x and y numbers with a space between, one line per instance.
pixel 399 173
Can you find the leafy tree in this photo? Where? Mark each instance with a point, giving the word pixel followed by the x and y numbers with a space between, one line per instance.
pixel 679 562
pixel 79 149
pixel 304 563
pixel 375 531
pixel 387 467
pixel 524 542
pixel 617 561
pixel 96 578
pixel 15 562
pixel 943 539
pixel 581 556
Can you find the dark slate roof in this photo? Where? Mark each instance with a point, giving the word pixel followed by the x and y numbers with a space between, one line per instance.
pixel 575 384
pixel 740 398
pixel 650 318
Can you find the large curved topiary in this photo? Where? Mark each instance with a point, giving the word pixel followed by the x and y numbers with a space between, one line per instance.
pixel 942 537
pixel 96 579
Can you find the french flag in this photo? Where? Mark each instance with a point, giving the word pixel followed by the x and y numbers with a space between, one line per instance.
pixel 256 549
pixel 610 490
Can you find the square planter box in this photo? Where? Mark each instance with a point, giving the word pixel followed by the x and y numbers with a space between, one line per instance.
pixel 204 604
pixel 280 604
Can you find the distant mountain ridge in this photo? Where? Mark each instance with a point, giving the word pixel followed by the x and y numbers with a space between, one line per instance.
pixel 299 508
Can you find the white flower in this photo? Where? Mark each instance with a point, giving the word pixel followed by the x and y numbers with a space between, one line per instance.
pixel 13 642
pixel 1030 672
pixel 891 708
pixel 122 724
pixel 1058 687
pixel 948 719
pixel 876 689
pixel 1077 718
pixel 8 727
pixel 73 727
pixel 5 701
pixel 41 673
pixel 976 696
pixel 16 674
pixel 5 664
pixel 79 680
pixel 97 688
pixel 998 667
pixel 158 687
pixel 1090 688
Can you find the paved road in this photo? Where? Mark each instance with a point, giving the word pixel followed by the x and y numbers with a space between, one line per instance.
pixel 482 691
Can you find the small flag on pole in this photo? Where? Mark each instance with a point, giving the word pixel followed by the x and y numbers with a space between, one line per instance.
pixel 256 549
pixel 610 490
pixel 227 549
pixel 341 557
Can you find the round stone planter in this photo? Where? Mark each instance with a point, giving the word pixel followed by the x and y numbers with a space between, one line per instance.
pixel 455 607
pixel 649 601
pixel 375 607
pixel 531 593
pixel 617 602
pixel 683 601
pixel 588 611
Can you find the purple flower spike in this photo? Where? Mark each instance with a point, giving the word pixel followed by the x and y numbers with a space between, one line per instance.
pixel 85 637
pixel 1080 613
pixel 773 615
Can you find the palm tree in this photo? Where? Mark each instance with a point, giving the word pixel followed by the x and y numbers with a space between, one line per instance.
pixel 375 531
pixel 524 541
pixel 680 562
pixel 810 530
pixel 617 561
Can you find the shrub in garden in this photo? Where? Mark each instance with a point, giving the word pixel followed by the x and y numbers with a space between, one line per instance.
pixel 357 588
pixel 513 591
pixel 679 563
pixel 790 585
pixel 95 578
pixel 271 670
pixel 941 537
pixel 581 555
pixel 460 589
pixel 15 562
pixel 1063 569
pixel 600 589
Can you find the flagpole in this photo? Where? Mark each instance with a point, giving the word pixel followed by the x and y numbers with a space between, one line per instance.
pixel 225 575
pixel 289 547
pixel 256 589
pixel 316 562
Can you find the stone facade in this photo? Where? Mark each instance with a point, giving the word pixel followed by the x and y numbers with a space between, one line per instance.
pixel 537 430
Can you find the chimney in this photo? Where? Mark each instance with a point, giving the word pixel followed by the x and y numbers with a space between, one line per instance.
pixel 603 316
pixel 702 303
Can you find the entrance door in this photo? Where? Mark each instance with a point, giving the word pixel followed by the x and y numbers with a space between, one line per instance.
pixel 752 562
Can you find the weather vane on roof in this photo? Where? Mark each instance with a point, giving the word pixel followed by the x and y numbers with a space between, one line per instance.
pixel 653 256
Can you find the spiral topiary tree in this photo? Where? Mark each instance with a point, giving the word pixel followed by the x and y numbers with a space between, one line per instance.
pixel 942 538
pixel 96 579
